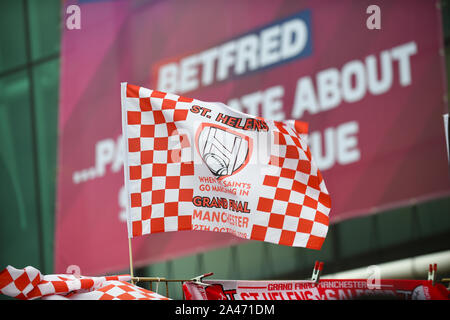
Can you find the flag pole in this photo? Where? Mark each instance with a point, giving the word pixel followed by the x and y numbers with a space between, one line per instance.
pixel 131 261
pixel 123 93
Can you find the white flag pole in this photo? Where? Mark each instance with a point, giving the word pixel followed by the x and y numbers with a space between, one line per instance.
pixel 447 138
pixel 131 260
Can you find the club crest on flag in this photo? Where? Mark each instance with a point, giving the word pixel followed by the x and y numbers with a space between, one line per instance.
pixel 224 151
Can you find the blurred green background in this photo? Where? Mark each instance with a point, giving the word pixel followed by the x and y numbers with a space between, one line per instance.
pixel 29 82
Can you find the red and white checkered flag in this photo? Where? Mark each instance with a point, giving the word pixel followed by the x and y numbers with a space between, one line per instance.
pixel 193 165
pixel 30 284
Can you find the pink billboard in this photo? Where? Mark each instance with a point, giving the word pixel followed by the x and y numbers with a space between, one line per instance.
pixel 373 95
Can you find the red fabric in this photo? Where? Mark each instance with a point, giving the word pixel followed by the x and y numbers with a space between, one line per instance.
pixel 325 290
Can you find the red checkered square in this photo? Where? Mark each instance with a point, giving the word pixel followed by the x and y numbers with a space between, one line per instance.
pixel 310 202
pixel 293 209
pixel 276 221
pixel 137 228
pixel 134 145
pixel 304 225
pixel 287 173
pixel 135 172
pixel 184 99
pixel 134 117
pixel 125 296
pixel 314 182
pixel 132 91
pixel 187 169
pixel 180 115
pixel 172 130
pixel 161 143
pixel 60 286
pixel 146 156
pixel 171 209
pixel 159 169
pixel 158 117
pixel 106 296
pixel 287 237
pixel 146 184
pixel 157 225
pixel 258 232
pixel 168 104
pixel 126 288
pixel 185 195
pixel 265 204
pixel 292 152
pixel 22 281
pixel 147 131
pixel 299 187
pixel 146 212
pixel 271 181
pixel 304 166
pixel 136 200
pixel 184 223
pixel 315 242
pixel 5 278
pixel 173 182
pixel 282 194
pixel 144 104
pixel 157 94
pixel 158 196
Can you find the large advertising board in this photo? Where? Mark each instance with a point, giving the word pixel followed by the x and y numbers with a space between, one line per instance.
pixel 373 92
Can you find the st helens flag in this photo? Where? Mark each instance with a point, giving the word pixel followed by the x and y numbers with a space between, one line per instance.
pixel 194 165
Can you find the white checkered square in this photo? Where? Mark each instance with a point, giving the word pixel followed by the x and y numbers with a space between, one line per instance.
pixel 308 213
pixel 273 235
